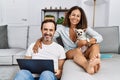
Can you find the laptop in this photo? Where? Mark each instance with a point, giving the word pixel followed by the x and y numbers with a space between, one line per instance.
pixel 36 66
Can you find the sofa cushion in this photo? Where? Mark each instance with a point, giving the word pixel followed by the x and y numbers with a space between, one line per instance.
pixel 17 36
pixel 18 55
pixel 6 56
pixel 110 43
pixel 71 71
pixel 3 37
pixel 109 67
pixel 34 34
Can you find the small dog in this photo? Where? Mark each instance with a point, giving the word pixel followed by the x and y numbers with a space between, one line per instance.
pixel 80 34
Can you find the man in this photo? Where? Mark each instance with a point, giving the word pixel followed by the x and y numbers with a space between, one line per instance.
pixel 49 50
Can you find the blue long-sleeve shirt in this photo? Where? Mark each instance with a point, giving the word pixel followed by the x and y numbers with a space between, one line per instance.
pixel 68 43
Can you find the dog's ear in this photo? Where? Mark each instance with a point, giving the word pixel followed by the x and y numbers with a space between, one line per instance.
pixel 84 30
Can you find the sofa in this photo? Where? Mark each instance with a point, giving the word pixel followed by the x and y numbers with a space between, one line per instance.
pixel 14 41
pixel 110 58
pixel 17 39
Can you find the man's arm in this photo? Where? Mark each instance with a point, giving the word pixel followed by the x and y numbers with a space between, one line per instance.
pixel 60 68
pixel 60 63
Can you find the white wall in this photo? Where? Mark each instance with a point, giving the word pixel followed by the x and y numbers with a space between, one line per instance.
pixel 28 12
pixel 101 10
pixel 107 14
pixel 35 7
pixel 15 11
pixel 114 13
pixel 1 13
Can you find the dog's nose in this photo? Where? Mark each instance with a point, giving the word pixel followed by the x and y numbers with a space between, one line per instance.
pixel 79 34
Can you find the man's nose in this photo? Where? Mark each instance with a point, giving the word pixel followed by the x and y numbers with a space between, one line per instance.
pixel 48 32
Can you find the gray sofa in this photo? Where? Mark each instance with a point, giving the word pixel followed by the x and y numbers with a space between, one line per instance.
pixel 110 63
pixel 20 37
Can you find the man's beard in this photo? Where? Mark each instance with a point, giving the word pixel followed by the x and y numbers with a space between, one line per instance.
pixel 47 37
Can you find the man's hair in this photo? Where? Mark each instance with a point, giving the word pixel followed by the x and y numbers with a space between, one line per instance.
pixel 49 20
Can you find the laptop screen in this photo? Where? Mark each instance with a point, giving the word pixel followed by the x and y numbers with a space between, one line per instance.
pixel 36 66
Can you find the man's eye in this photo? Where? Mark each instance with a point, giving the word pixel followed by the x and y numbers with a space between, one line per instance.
pixel 51 30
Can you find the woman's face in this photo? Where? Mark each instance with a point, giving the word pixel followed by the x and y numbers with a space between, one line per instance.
pixel 75 17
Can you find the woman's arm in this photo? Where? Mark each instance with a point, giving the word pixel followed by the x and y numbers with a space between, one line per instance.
pixel 95 36
pixel 37 45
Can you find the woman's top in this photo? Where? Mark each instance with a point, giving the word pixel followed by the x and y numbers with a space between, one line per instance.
pixel 63 32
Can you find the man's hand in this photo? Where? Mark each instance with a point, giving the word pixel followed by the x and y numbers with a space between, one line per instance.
pixel 28 57
pixel 58 73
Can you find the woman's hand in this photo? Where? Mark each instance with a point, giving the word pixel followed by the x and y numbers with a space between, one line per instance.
pixel 81 43
pixel 58 73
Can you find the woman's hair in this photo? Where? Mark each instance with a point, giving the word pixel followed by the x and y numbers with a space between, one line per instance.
pixel 48 20
pixel 83 21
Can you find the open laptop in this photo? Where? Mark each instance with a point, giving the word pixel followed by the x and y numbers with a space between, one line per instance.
pixel 36 66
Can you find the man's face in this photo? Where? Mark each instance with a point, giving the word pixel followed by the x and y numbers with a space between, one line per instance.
pixel 48 31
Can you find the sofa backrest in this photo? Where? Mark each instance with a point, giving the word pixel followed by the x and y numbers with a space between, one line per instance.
pixel 33 34
pixel 17 36
pixel 110 43
pixel 23 36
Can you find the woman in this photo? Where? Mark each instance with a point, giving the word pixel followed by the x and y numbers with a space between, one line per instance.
pixel 89 59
